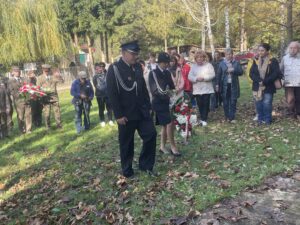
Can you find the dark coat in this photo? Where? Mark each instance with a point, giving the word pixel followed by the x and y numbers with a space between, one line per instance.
pixel 135 104
pixel 273 73
pixel 222 77
pixel 5 104
pixel 99 82
pixel 160 102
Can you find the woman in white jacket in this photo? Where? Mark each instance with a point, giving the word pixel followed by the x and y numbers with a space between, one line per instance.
pixel 201 75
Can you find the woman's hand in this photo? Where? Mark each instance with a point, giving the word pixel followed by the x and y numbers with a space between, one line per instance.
pixel 200 79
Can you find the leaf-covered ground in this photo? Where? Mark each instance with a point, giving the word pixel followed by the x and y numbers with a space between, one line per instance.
pixel 58 177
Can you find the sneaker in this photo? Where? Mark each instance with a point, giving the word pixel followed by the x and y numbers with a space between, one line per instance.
pixel 102 124
pixel 232 121
pixel 111 123
pixel 255 118
pixel 203 123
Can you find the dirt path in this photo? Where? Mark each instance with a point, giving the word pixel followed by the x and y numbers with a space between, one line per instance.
pixel 276 202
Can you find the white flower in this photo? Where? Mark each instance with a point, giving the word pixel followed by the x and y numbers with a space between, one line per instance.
pixel 31 91
pixel 181 119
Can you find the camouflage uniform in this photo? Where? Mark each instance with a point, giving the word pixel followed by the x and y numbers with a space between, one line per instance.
pixel 49 83
pixel 5 107
pixel 22 107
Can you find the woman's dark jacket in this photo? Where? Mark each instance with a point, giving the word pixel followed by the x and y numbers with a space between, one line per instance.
pixel 222 77
pixel 272 73
pixel 160 102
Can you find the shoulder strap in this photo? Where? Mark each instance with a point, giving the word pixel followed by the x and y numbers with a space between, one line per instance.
pixel 117 73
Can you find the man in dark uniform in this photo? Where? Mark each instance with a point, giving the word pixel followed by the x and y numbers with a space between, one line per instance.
pixel 127 92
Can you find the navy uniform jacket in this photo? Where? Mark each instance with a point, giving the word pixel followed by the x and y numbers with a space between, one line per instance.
pixel 160 102
pixel 131 104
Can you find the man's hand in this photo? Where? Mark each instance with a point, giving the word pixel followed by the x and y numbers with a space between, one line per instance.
pixel 82 96
pixel 122 121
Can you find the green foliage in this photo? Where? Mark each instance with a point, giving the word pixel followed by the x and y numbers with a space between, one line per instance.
pixel 29 31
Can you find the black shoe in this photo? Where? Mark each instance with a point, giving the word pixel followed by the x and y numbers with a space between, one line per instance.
pixel 151 173
pixel 176 154
pixel 163 151
pixel 128 174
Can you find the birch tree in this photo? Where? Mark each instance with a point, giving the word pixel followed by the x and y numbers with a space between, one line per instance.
pixel 227 27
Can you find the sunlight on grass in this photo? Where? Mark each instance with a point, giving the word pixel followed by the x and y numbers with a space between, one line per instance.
pixel 220 161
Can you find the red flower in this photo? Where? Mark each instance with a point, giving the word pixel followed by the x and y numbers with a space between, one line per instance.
pixel 175 122
pixel 177 108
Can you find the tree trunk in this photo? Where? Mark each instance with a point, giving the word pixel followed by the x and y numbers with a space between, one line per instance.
pixel 90 49
pixel 210 35
pixel 289 5
pixel 227 27
pixel 243 41
pixel 283 30
pixel 166 44
pixel 76 40
pixel 203 30
pixel 106 47
pixel 102 57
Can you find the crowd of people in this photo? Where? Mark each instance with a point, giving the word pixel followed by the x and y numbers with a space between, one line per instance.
pixel 140 95
pixel 29 111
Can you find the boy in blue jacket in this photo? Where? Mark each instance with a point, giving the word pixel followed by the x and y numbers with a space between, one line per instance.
pixel 83 94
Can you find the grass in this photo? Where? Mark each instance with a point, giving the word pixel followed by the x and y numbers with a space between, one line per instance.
pixel 58 177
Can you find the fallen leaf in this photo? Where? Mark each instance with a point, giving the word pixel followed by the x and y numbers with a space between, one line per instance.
pixel 224 184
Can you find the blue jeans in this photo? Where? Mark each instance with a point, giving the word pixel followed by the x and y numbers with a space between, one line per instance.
pixel 264 108
pixel 229 104
pixel 83 108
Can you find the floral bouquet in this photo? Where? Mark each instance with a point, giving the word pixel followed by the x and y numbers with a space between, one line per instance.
pixel 185 118
pixel 31 92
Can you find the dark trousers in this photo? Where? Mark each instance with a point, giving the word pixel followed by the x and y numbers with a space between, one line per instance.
pixel 3 125
pixel 36 110
pixel 229 104
pixel 203 105
pixel 147 132
pixel 215 101
pixel 102 103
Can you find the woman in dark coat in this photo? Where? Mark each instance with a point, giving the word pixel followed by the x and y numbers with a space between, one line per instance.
pixel 263 74
pixel 160 82
pixel 228 84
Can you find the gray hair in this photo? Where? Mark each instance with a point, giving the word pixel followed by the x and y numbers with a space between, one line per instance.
pixel 288 48
pixel 228 51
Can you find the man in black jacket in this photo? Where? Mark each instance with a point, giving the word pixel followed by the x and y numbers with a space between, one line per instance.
pixel 128 95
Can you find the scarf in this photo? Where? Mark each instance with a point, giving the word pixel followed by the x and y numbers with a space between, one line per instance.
pixel 262 69
pixel 263 66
